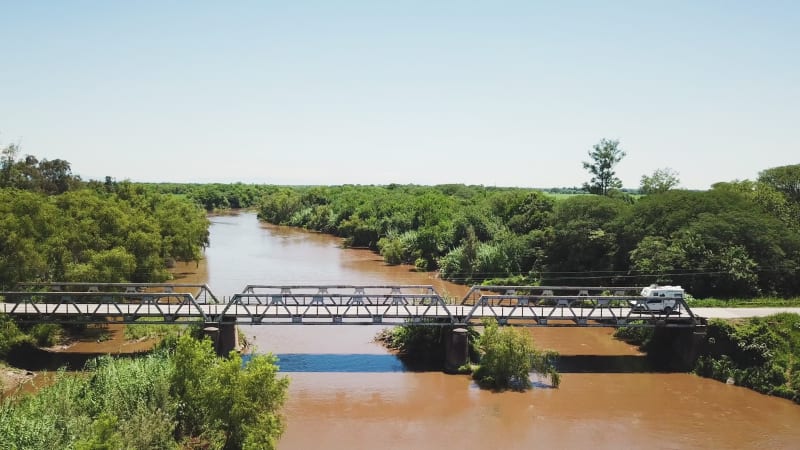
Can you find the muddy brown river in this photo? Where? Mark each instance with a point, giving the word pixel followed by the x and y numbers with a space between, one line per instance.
pixel 349 393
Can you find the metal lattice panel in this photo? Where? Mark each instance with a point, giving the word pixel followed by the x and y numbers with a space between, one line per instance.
pixel 337 304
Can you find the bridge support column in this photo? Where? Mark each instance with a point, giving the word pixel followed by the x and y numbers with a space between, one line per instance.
pixel 223 336
pixel 676 348
pixel 456 352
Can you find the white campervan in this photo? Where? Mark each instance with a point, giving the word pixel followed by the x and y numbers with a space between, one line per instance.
pixel 659 299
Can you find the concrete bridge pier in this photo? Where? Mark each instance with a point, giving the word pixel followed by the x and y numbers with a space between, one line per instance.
pixel 678 348
pixel 456 352
pixel 223 336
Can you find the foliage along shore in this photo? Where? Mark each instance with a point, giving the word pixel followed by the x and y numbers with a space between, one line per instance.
pixel 56 227
pixel 761 353
pixel 503 357
pixel 738 239
pixel 180 396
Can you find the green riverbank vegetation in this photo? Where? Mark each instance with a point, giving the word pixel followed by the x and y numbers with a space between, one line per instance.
pixel 761 353
pixel 740 239
pixel 179 397
pixel 508 356
pixel 56 227
pixel 16 336
pixel 418 343
pixel 215 196
pixel 756 302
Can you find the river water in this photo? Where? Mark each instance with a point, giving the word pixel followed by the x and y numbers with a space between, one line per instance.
pixel 347 392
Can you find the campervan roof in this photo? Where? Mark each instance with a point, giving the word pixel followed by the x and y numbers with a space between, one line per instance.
pixel 652 291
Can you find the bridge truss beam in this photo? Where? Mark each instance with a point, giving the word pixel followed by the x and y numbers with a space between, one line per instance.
pixel 337 304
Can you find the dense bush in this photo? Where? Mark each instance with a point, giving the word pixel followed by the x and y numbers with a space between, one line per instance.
pixel 761 353
pixel 635 335
pixel 120 401
pixel 125 233
pixel 738 239
pixel 422 342
pixel 222 401
pixel 10 335
pixel 46 334
pixel 507 357
pixel 215 196
pixel 189 398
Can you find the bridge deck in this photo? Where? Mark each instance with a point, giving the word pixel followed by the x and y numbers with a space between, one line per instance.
pixel 339 304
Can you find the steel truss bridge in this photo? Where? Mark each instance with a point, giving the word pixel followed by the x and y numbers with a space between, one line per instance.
pixel 336 304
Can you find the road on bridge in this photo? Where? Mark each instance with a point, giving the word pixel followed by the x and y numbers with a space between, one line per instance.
pixel 379 305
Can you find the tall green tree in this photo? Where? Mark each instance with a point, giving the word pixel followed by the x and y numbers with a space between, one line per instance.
pixel 784 179
pixel 661 180
pixel 584 242
pixel 605 155
pixel 28 173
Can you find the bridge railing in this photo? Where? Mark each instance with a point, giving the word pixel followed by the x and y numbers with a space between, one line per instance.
pixel 341 303
pixel 338 304
pixel 478 291
pixel 540 304
pixel 99 307
pixel 339 289
pixel 201 292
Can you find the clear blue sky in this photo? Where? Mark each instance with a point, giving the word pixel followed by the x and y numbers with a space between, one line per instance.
pixel 330 92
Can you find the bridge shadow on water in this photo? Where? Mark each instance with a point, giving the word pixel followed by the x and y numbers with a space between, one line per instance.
pixel 34 359
pixel 349 363
pixel 371 363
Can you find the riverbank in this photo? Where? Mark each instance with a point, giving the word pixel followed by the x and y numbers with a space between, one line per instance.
pixel 346 388
pixel 12 379
pixel 153 402
pixel 35 370
pixel 759 353
pixel 353 394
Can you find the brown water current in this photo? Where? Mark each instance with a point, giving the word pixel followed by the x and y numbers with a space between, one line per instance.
pixel 348 392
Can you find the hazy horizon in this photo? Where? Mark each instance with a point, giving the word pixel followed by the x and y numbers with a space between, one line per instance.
pixel 319 93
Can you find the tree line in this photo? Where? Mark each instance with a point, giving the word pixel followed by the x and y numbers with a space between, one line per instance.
pixel 56 227
pixel 738 239
pixel 90 231
pixel 215 196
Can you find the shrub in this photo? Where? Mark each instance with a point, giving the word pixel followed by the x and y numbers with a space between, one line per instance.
pixel 759 353
pixel 508 356
pixel 10 335
pixel 186 394
pixel 222 398
pixel 640 336
pixel 46 334
pixel 423 342
pixel 391 250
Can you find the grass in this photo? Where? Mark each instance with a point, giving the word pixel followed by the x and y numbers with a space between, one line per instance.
pixel 172 398
pixel 743 302
pixel 144 330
